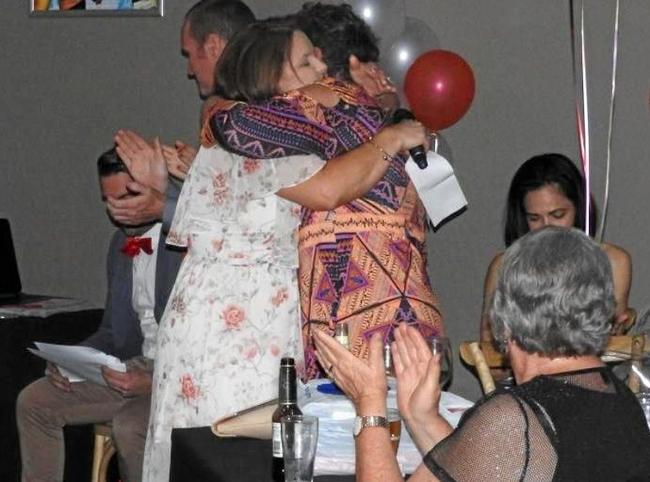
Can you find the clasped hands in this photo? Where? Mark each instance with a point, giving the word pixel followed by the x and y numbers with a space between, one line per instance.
pixel 135 381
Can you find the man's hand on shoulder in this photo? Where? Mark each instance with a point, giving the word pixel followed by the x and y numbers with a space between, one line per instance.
pixel 132 383
pixel 56 379
pixel 145 206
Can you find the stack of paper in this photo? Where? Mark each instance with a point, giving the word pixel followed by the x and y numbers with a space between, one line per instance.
pixel 78 363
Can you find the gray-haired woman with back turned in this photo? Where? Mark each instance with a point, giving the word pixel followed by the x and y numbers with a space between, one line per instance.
pixel 568 418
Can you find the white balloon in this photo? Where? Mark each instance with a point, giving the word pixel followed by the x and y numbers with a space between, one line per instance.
pixel 416 39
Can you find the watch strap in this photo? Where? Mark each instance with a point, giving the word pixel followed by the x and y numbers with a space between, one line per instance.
pixel 371 421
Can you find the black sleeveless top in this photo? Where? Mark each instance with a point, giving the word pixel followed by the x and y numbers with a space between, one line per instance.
pixel 578 426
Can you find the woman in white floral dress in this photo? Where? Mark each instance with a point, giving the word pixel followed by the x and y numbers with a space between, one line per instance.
pixel 233 312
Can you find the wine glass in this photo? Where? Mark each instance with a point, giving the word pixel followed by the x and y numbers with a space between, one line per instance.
pixel 441 345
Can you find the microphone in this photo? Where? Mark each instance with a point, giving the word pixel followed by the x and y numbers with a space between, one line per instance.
pixel 417 153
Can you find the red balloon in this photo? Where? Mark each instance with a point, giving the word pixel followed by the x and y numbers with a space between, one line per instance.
pixel 439 86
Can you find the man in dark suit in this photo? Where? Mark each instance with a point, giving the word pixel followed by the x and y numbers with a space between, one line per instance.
pixel 141 272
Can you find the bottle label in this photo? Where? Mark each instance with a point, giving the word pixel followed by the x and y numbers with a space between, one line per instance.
pixel 277 440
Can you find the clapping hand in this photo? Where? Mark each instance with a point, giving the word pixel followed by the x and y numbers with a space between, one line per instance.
pixel 418 374
pixel 145 161
pixel 363 381
pixel 179 158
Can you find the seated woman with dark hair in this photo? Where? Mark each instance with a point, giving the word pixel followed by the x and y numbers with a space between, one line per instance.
pixel 568 419
pixel 362 263
pixel 548 190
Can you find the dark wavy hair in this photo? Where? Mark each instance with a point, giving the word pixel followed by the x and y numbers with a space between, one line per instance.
pixel 339 33
pixel 539 171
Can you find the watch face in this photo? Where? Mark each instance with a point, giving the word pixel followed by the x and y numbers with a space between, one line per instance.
pixel 358 425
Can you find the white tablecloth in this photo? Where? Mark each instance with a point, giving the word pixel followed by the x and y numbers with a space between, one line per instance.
pixel 335 451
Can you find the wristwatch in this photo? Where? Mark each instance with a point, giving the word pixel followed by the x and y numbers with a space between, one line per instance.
pixel 368 421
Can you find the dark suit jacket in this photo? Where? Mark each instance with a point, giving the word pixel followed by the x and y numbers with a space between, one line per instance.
pixel 119 333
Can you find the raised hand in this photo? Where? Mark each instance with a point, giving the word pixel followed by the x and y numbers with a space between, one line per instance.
pixel 145 161
pixel 179 158
pixel 418 374
pixel 364 381
pixel 371 77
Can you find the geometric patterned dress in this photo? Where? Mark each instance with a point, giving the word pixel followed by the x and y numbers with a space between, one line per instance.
pixel 363 263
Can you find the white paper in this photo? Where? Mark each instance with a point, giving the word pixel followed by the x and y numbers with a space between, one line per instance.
pixel 437 187
pixel 335 450
pixel 78 363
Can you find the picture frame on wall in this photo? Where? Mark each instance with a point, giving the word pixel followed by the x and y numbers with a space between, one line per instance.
pixel 71 8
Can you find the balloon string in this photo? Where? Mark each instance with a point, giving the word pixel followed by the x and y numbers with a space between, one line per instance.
pixel 582 115
pixel 434 137
pixel 576 88
pixel 610 128
pixel 585 112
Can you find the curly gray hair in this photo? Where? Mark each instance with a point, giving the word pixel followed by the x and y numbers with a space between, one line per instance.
pixel 555 294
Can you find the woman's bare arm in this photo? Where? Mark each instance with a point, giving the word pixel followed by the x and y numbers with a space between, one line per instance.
pixel 351 175
pixel 621 263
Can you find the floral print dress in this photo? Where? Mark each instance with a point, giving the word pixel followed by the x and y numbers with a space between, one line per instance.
pixel 233 311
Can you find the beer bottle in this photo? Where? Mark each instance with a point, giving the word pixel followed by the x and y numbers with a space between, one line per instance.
pixel 287 405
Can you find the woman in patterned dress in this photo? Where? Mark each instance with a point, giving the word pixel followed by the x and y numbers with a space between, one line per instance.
pixel 363 263
pixel 233 311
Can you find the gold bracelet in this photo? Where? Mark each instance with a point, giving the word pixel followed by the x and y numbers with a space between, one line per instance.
pixel 384 155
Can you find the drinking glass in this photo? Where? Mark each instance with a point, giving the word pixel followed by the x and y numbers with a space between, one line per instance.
pixel 440 345
pixel 299 440
pixel 395 427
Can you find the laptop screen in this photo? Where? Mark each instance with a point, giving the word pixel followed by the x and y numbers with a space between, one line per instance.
pixel 9 278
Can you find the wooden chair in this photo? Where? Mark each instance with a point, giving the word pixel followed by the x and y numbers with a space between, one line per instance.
pixel 484 356
pixel 104 450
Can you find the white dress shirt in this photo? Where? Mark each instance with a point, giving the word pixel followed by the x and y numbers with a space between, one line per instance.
pixel 144 292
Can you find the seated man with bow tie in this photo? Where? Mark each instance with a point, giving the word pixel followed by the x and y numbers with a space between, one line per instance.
pixel 141 272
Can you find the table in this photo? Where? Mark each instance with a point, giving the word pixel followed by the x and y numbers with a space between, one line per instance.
pixel 197 454
pixel 18 368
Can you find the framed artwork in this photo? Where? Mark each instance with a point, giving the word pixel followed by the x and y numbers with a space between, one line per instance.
pixel 71 8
